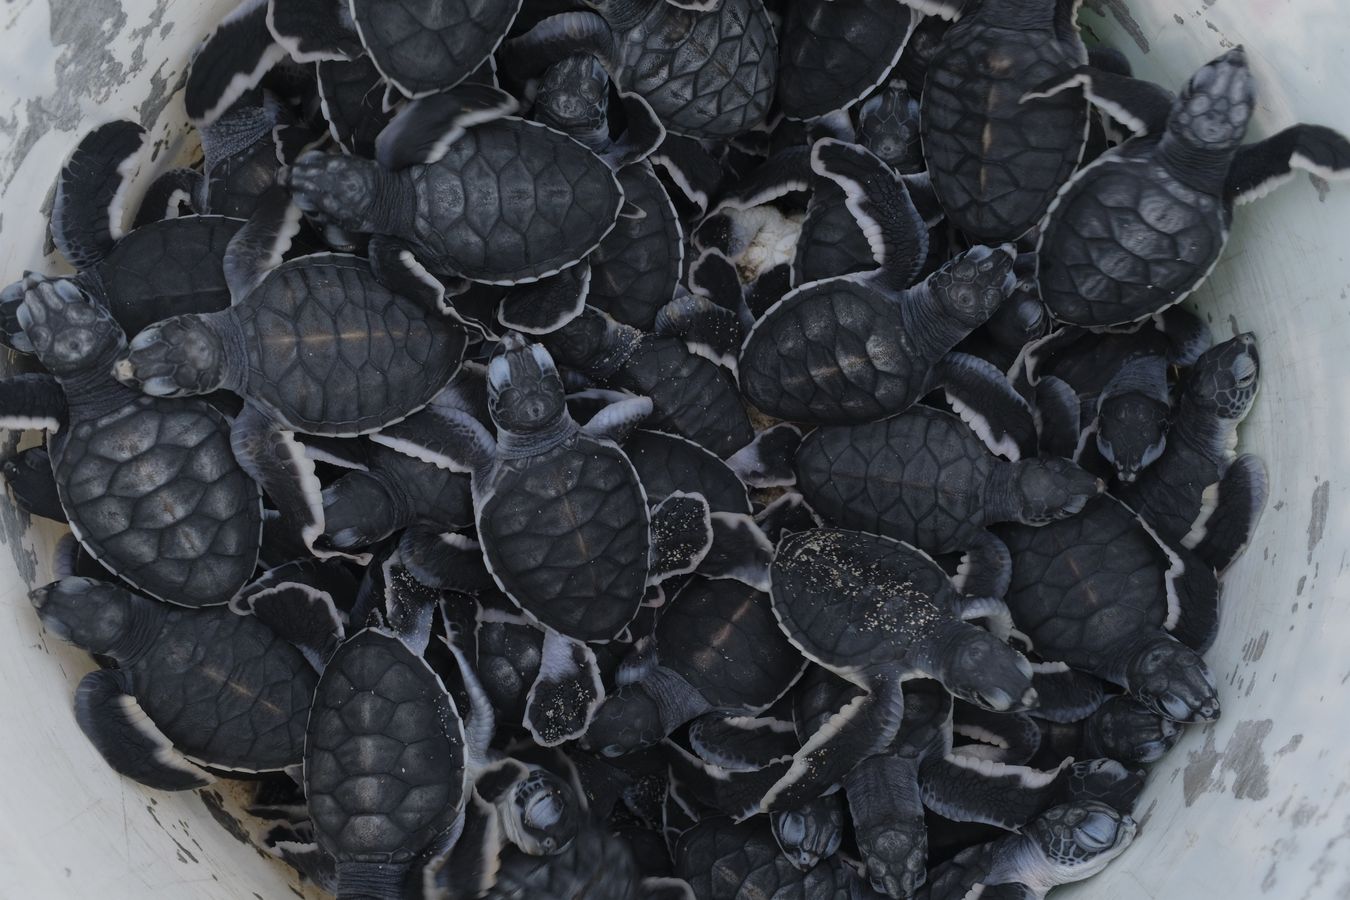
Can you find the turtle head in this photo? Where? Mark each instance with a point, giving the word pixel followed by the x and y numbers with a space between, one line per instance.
pixel 1123 729
pixel 177 357
pixel 897 855
pixel 1106 781
pixel 888 125
pixel 628 720
pixel 339 190
pixel 810 833
pixel 574 96
pixel 1051 488
pixel 1172 680
pixel 69 331
pixel 1224 380
pixel 1132 432
pixel 525 392
pixel 981 669
pixel 545 817
pixel 971 286
pixel 94 615
pixel 1215 106
pixel 1078 839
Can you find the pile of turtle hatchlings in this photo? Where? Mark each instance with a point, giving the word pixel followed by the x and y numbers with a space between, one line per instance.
pixel 653 448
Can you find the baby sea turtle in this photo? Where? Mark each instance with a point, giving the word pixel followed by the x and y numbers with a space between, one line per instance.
pixel 150 486
pixel 432 160
pixel 1115 727
pixel 1103 593
pixel 1069 843
pixel 706 69
pixel 156 270
pixel 561 515
pixel 947 489
pixel 192 687
pixel 722 860
pixel 315 344
pixel 1143 226
pixel 636 267
pixel 888 125
pixel 716 647
pixel 834 53
pixel 852 349
pixel 690 395
pixel 996 161
pixel 1199 494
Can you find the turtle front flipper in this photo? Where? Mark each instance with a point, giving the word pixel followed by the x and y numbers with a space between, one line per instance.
pixel 88 210
pixel 965 788
pixel 31 402
pixel 888 823
pixel 291 600
pixel 277 462
pixel 112 719
pixel 1261 167
pixel 644 712
pixel 547 304
pixel 1242 494
pixel 740 551
pixel 395 265
pixel 258 247
pixel 556 38
pixel 33 484
pixel 985 571
pixel 230 62
pixel 565 696
pixel 694 172
pixel 1060 414
pixel 708 329
pixel 1141 106
pixel 1065 694
pixel 984 399
pixel 313 30
pixel 681 536
pixel 444 560
pixel 619 419
pixel 423 130
pixel 740 743
pixel 168 195
pixel 768 460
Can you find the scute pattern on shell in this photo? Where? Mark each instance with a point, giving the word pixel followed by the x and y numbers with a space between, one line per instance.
pixel 569 533
pixel 335 352
pixel 666 463
pixel 384 754
pixel 512 201
pixel 1126 240
pixel 635 268
pixel 722 861
pixel 833 53
pixel 226 690
pixel 998 162
pixel 153 490
pixel 432 45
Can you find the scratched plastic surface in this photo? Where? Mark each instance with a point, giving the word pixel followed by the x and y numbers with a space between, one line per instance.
pixel 1252 807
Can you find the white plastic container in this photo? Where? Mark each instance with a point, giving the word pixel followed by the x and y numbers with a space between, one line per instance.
pixel 1254 806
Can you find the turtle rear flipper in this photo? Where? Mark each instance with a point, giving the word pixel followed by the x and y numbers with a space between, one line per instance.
pixel 1261 167
pixel 89 207
pixel 1141 106
pixel 471 863
pixel 881 205
pixel 767 461
pixel 681 535
pixel 563 699
pixel 33 484
pixel 423 130
pixel 547 304
pixel 888 823
pixel 313 30
pixel 112 719
pixel 230 62
pixel 1241 498
pixel 168 195
pixel 31 402
pixel 984 399
pixel 1059 414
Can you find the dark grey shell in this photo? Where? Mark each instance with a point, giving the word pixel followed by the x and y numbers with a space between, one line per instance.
pixel 384 754
pixel 225 690
pixel 725 861
pixel 691 396
pixel 833 53
pixel 635 269
pixel 850 599
pixel 792 365
pixel 330 350
pixel 597 865
pixel 918 477
pixel 1127 239
pixel 706 74
pixel 565 533
pixel 997 162
pixel 153 491
pixel 1082 585
pixel 512 201
pixel 722 637
pixel 426 46
pixel 667 463
pixel 163 269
